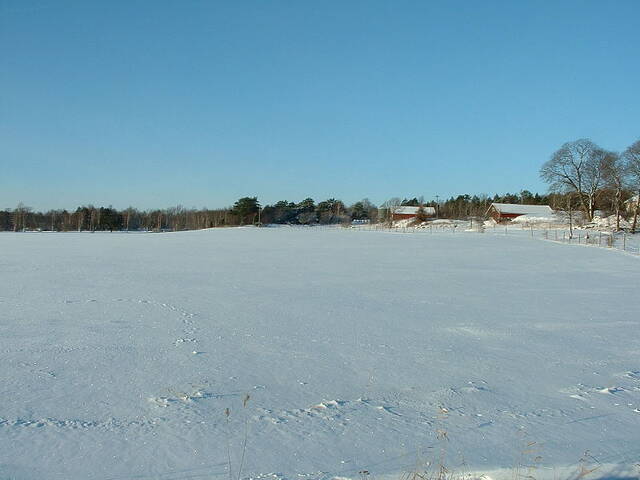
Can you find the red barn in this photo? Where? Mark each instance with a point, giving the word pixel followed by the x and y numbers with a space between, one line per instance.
pixel 502 212
pixel 403 213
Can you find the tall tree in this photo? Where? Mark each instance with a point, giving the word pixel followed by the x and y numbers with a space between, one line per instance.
pixel 20 216
pixel 615 177
pixel 594 178
pixel 388 208
pixel 246 208
pixel 358 211
pixel 573 168
pixel 411 202
pixel 632 167
pixel 307 205
pixel 330 211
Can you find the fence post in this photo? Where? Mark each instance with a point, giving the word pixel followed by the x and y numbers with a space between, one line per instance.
pixel 624 241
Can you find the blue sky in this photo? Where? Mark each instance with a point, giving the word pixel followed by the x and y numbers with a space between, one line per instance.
pixel 158 103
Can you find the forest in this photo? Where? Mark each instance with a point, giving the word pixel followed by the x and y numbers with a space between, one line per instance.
pixel 581 177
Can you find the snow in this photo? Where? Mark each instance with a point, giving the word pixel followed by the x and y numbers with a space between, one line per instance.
pixel 120 354
pixel 410 210
pixel 516 208
pixel 607 223
pixel 404 223
pixel 534 219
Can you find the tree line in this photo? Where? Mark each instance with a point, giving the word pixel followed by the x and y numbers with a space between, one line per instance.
pixel 245 211
pixel 466 206
pixel 581 176
pixel 248 211
pixel 590 178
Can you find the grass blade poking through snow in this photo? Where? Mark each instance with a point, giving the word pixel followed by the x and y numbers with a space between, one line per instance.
pixel 245 400
pixel 227 413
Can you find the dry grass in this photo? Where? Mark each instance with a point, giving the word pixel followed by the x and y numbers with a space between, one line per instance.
pixel 245 438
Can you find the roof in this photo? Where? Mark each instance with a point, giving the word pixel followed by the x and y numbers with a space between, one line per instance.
pixel 413 210
pixel 517 209
pixel 633 199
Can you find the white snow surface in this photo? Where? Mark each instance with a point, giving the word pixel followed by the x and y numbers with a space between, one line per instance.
pixel 120 353
pixel 607 223
pixel 533 210
pixel 533 219
pixel 411 210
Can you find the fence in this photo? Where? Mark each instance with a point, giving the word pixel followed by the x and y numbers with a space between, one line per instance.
pixel 610 240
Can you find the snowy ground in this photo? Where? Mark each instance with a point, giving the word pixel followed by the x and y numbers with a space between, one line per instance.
pixel 120 352
pixel 586 235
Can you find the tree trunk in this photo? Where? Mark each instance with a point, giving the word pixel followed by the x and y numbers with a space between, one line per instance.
pixel 591 208
pixel 635 215
pixel 617 206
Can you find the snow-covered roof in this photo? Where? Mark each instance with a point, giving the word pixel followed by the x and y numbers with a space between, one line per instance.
pixel 516 208
pixel 633 199
pixel 406 210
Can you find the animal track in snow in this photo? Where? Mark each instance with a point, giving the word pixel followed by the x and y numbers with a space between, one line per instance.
pixel 75 424
pixel 582 392
pixel 41 372
pixel 186 316
pixel 624 393
pixel 632 374
pixel 143 301
pixel 197 392
pixel 327 410
pixel 329 404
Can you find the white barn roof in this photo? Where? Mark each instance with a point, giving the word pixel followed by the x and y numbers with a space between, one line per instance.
pixel 517 209
pixel 413 210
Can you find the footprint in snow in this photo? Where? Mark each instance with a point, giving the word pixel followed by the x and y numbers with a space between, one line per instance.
pixel 609 390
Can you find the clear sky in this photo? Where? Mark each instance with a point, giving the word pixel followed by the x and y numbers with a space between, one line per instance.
pixel 158 103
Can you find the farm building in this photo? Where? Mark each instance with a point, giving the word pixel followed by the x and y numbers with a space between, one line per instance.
pixel 403 213
pixel 632 203
pixel 504 212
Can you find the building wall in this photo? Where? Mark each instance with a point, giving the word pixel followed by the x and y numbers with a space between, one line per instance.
pixel 503 217
pixel 402 216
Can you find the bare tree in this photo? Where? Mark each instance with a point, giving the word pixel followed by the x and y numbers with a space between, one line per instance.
pixel 615 177
pixel 93 218
pixel 594 177
pixel 632 166
pixel 571 169
pixel 127 217
pixel 80 219
pixel 389 207
pixel 20 214
pixel 569 210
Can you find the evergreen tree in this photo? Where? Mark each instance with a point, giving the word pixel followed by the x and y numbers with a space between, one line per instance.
pixel 359 212
pixel 246 209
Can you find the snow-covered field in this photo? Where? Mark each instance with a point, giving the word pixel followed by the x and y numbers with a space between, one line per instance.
pixel 119 354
